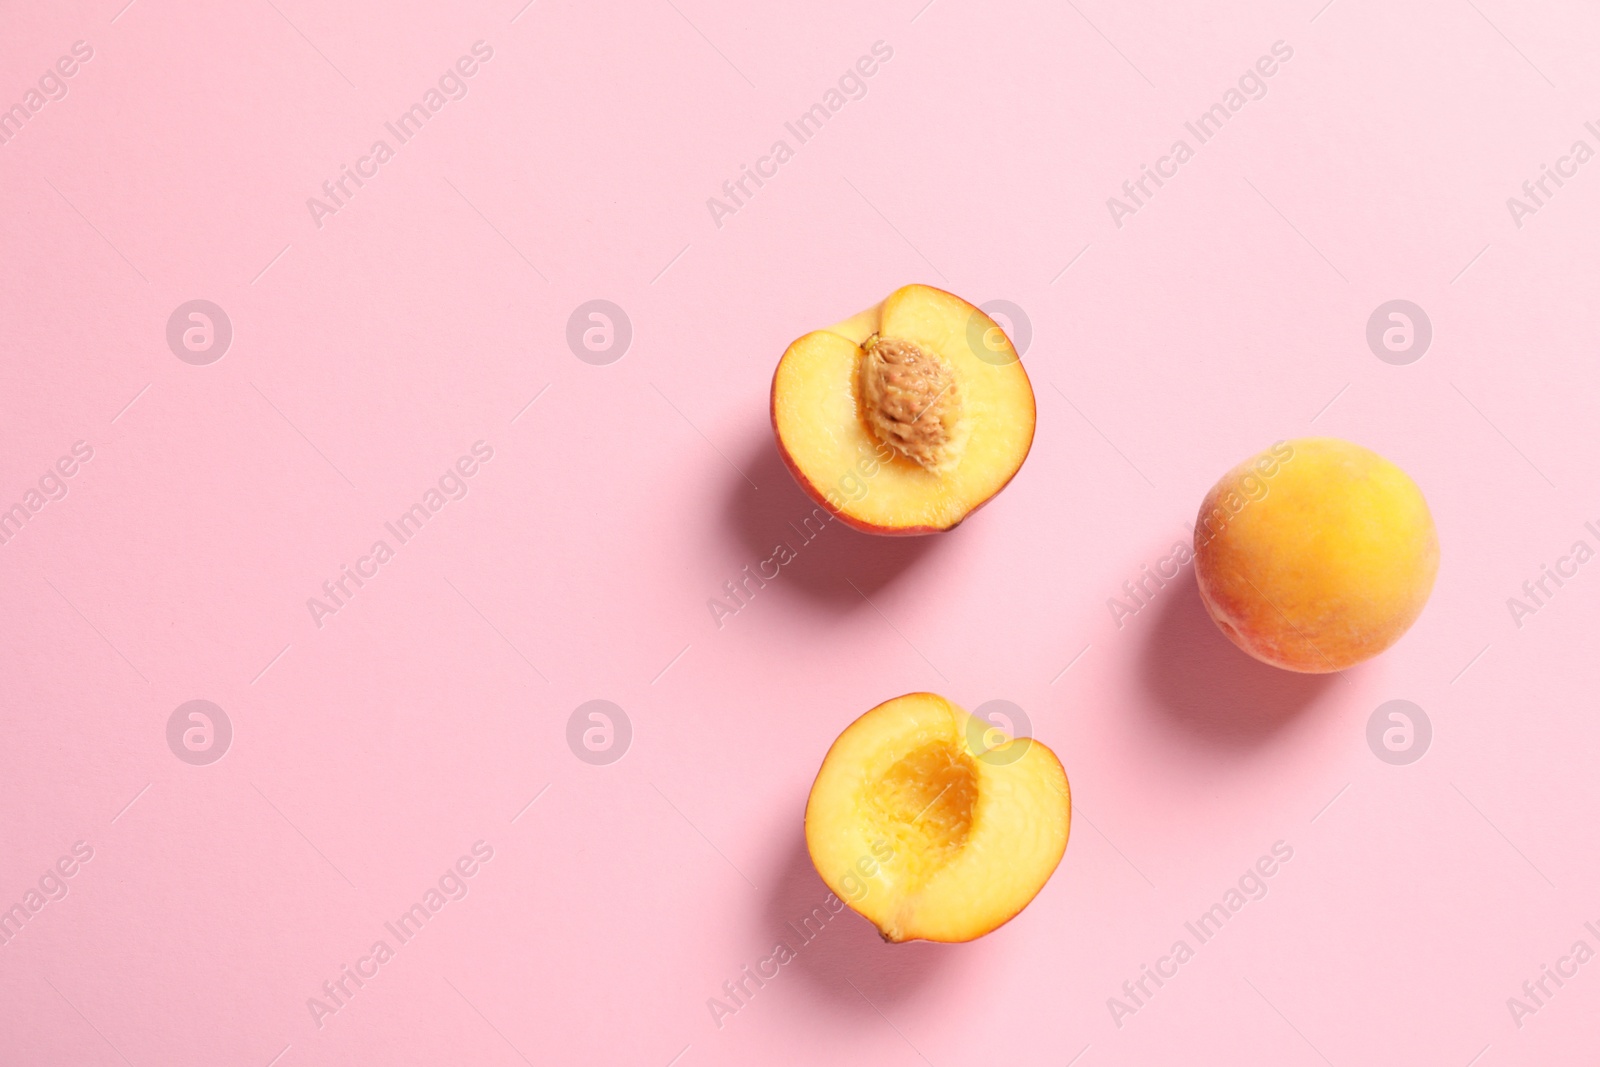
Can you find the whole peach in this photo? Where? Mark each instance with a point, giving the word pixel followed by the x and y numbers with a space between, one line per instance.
pixel 1315 554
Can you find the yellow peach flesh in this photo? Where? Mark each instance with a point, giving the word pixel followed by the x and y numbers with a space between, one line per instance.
pixel 828 444
pixel 925 839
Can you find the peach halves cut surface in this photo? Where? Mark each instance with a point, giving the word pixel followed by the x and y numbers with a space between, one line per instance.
pixel 906 418
pixel 933 824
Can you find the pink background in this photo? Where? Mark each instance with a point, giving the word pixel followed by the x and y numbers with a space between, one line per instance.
pixel 368 354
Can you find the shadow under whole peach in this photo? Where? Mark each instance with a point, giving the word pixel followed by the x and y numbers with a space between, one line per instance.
pixel 1197 679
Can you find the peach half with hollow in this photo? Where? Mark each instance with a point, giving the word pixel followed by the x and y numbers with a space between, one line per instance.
pixel 1315 555
pixel 932 823
pixel 906 418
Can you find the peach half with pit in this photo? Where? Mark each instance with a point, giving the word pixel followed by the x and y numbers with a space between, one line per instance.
pixel 906 418
pixel 1315 555
pixel 934 824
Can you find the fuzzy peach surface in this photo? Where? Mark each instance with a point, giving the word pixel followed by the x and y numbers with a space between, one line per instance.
pixel 1315 555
